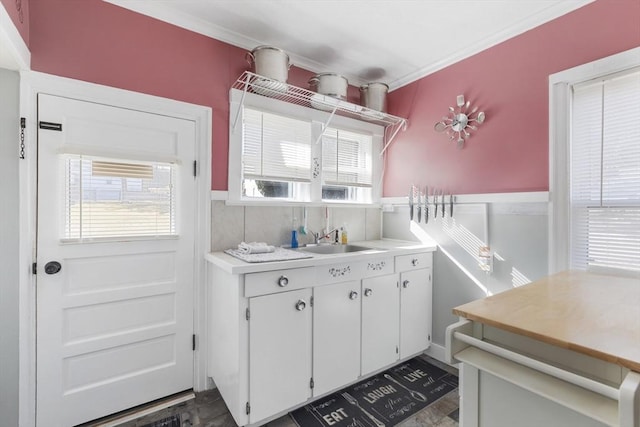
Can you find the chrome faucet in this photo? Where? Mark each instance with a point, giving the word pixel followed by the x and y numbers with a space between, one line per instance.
pixel 319 238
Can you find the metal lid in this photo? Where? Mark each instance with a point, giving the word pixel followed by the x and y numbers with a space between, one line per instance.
pixel 316 79
pixel 365 86
pixel 330 74
pixel 271 48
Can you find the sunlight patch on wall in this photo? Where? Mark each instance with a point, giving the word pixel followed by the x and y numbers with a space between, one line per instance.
pixel 462 268
pixel 463 237
pixel 517 278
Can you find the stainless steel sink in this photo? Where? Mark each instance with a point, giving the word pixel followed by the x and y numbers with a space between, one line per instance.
pixel 335 249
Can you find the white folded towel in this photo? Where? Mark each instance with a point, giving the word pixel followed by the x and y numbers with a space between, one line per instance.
pixel 255 248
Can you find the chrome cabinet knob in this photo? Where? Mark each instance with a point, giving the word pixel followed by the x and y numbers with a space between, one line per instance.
pixel 414 262
pixel 301 305
pixel 353 295
pixel 368 292
pixel 405 284
pixel 283 281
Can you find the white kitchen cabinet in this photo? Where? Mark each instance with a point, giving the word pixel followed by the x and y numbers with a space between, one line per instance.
pixel 380 322
pixel 279 351
pixel 336 335
pixel 271 349
pixel 415 319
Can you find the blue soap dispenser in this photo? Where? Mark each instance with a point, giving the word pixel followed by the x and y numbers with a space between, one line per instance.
pixel 294 239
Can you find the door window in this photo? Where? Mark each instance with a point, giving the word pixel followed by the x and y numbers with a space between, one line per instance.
pixel 111 199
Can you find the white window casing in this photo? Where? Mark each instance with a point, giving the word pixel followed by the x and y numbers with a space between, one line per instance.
pixel 595 166
pixel 274 142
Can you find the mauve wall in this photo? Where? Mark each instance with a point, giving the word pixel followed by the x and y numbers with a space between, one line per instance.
pixel 509 152
pixel 18 11
pixel 98 42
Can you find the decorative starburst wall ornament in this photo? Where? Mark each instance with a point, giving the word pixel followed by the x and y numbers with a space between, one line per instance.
pixel 457 123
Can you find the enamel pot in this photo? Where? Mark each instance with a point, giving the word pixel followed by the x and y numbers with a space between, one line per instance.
pixel 374 96
pixel 270 62
pixel 331 84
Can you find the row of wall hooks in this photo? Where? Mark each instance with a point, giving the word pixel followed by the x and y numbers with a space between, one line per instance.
pixel 428 202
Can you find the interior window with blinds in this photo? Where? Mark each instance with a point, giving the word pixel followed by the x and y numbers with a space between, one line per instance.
pixel 347 166
pixel 276 156
pixel 605 174
pixel 110 199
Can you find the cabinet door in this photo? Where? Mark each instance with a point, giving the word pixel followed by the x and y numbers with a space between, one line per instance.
pixel 336 335
pixel 279 352
pixel 380 322
pixel 415 311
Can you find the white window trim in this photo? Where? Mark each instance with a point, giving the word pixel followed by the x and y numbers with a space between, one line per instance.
pixel 318 119
pixel 559 141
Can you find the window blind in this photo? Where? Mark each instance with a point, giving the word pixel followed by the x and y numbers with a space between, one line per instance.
pixel 347 158
pixel 605 174
pixel 276 148
pixel 110 200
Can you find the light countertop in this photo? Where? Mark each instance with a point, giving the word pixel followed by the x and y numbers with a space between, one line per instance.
pixel 380 248
pixel 597 315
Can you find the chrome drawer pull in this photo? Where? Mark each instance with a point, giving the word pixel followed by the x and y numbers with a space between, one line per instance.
pixel 414 262
pixel 405 284
pixel 283 281
pixel 353 295
pixel 368 292
pixel 301 305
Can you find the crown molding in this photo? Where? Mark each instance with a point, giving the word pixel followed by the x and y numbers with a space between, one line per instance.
pixel 549 14
pixel 157 10
pixel 161 12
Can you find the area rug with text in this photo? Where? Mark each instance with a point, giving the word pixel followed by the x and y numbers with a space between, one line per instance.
pixel 383 400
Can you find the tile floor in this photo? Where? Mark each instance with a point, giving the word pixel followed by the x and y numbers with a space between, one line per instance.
pixel 208 410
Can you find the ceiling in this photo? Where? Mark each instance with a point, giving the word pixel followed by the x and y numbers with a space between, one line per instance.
pixel 393 41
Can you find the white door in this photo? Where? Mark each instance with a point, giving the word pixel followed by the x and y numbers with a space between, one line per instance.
pixel 380 322
pixel 415 311
pixel 116 197
pixel 279 352
pixel 336 336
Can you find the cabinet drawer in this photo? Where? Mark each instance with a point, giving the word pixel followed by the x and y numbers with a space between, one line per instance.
pixel 269 282
pixel 336 273
pixel 413 261
pixel 378 267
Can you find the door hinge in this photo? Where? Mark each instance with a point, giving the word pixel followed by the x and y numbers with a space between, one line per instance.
pixel 34 268
pixel 23 125
pixel 397 283
pixel 248 314
pixel 397 350
pixel 311 302
pixel 429 337
pixel 50 126
pixel 429 277
pixel 193 342
pixel 195 168
pixel 248 408
pixel 311 383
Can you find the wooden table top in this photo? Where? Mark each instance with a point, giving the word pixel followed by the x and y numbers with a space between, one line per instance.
pixel 594 314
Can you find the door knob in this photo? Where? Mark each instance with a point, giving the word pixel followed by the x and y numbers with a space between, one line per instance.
pixel 52 267
pixel 301 305
pixel 405 284
pixel 368 292
pixel 353 295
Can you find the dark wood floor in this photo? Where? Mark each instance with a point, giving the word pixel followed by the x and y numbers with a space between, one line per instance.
pixel 209 410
